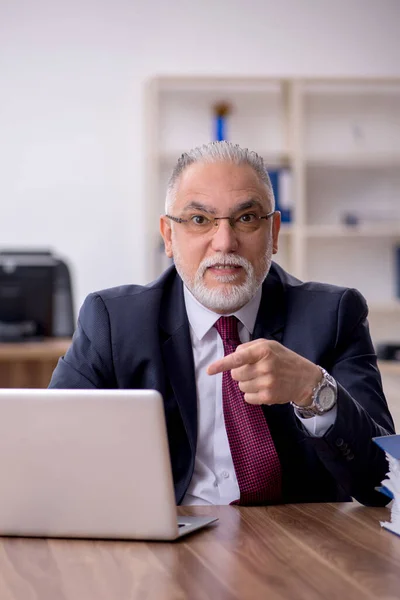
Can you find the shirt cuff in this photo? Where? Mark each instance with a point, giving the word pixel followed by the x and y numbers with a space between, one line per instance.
pixel 317 426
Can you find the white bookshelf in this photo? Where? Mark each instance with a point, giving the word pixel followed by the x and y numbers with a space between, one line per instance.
pixel 340 138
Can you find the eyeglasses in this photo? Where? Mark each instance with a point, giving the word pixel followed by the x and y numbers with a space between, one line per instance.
pixel 244 223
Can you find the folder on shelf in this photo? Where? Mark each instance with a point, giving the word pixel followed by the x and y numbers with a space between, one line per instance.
pixel 281 180
pixel 390 486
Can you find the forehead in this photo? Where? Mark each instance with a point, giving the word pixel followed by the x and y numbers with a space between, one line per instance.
pixel 219 185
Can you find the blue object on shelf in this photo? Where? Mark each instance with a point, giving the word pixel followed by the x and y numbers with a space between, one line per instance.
pixel 221 111
pixel 281 184
pixel 220 127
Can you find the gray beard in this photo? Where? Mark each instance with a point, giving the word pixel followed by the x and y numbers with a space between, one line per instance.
pixel 232 298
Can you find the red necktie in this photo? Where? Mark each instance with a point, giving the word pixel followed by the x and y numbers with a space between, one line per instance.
pixel 256 462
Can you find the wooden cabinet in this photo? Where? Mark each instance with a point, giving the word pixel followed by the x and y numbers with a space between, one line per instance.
pixel 30 364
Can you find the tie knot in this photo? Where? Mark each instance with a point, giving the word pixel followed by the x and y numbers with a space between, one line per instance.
pixel 227 328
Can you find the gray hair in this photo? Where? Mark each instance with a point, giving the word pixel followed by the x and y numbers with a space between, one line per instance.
pixel 218 152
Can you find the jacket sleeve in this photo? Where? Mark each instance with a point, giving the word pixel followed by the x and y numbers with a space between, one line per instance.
pixel 88 362
pixel 347 449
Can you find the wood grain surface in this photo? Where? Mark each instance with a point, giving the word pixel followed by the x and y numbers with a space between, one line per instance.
pixel 309 551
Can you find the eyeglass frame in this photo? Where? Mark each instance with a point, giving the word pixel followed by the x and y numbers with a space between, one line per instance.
pixel 215 220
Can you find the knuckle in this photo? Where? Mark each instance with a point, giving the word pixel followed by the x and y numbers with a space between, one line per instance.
pixel 251 399
pixel 269 381
pixel 237 360
pixel 235 374
pixel 241 348
pixel 265 396
pixel 242 386
pixel 262 368
pixel 265 349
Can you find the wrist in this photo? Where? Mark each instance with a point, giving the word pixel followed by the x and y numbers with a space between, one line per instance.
pixel 314 379
pixel 323 397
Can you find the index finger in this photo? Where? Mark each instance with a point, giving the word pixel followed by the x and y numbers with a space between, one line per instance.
pixel 246 356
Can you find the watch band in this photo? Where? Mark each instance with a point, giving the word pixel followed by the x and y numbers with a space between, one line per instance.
pixel 315 408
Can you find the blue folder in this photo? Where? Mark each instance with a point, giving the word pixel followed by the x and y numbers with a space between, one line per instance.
pixel 282 192
pixel 382 489
pixel 390 444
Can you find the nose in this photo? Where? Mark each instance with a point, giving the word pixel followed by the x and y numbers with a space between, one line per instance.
pixel 224 238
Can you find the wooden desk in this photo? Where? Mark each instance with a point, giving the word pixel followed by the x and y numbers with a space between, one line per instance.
pixel 309 551
pixel 30 364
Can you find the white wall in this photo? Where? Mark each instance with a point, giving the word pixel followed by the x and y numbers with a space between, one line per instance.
pixel 71 81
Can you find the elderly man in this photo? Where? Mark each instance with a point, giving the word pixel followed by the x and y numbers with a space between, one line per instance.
pixel 271 389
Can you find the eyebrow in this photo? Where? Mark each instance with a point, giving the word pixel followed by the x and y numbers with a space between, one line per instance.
pixel 251 203
pixel 202 207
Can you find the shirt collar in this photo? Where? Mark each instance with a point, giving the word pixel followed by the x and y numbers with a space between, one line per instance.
pixel 201 319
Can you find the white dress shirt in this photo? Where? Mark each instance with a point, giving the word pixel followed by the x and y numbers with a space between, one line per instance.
pixel 214 479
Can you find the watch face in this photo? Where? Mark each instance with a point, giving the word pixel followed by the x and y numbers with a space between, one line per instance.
pixel 326 397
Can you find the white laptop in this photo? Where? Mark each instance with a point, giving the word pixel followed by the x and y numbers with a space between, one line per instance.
pixel 87 464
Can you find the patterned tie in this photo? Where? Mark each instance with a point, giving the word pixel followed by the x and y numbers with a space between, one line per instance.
pixel 254 456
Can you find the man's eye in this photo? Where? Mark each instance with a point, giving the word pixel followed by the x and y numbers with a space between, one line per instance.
pixel 199 220
pixel 247 218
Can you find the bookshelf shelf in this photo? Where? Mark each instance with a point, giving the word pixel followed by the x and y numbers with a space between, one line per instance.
pixel 340 140
pixel 350 161
pixel 378 230
pixel 389 367
pixel 390 307
pixel 272 159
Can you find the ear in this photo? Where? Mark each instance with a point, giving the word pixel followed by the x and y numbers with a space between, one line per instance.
pixel 165 230
pixel 276 225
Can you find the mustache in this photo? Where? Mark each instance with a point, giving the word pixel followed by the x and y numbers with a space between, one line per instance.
pixel 226 260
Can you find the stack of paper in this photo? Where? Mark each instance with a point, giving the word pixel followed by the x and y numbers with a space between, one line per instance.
pixel 391 485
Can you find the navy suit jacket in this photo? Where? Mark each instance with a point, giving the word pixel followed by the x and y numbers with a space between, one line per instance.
pixel 138 337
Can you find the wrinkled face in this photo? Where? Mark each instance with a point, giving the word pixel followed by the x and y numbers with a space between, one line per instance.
pixel 222 265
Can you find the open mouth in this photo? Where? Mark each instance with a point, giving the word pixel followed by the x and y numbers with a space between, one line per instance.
pixel 220 268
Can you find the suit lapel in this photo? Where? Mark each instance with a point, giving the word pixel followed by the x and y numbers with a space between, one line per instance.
pixel 176 348
pixel 272 311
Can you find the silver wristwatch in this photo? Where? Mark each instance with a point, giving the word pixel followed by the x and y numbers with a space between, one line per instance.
pixel 323 398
